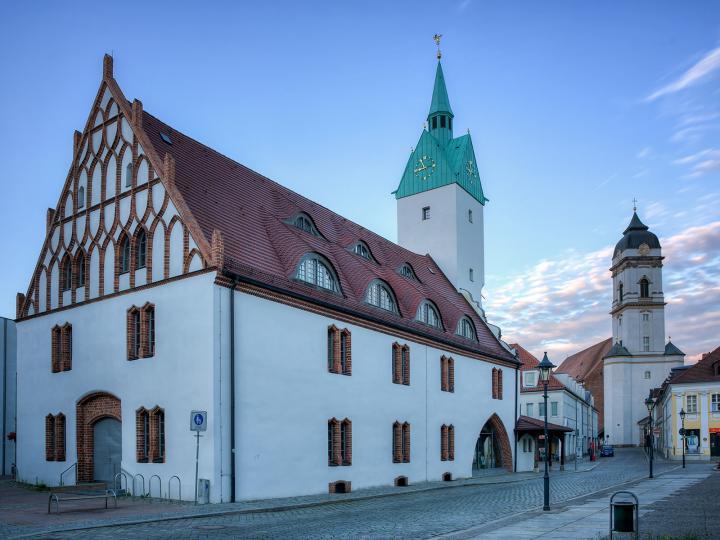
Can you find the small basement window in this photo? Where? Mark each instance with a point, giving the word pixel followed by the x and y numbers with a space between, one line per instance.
pixel 401 481
pixel 426 213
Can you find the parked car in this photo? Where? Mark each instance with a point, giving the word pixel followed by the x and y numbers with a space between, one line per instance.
pixel 607 451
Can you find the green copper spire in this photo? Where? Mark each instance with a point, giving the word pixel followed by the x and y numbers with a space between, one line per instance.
pixel 440 103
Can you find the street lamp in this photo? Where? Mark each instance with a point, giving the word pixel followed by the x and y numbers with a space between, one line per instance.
pixel 682 432
pixel 650 404
pixel 545 367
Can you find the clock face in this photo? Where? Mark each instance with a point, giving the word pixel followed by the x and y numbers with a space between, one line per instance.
pixel 424 167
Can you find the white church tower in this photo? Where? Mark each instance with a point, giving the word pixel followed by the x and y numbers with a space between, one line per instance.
pixel 440 199
pixel 639 359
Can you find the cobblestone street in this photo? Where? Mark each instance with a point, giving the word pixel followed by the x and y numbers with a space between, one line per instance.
pixel 413 514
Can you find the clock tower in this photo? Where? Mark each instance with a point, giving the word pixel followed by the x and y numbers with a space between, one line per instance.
pixel 440 199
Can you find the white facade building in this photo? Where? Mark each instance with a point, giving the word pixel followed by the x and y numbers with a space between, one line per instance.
pixel 8 394
pixel 639 359
pixel 174 279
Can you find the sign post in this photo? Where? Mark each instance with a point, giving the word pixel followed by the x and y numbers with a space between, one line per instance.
pixel 198 423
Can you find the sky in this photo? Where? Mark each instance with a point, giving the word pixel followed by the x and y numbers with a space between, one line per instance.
pixel 575 108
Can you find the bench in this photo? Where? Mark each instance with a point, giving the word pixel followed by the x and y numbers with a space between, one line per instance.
pixel 79 496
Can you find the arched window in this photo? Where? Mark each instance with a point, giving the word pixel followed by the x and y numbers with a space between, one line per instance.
pixel 401 442
pixel 303 222
pixel 66 274
pixel 466 329
pixel 124 255
pixel 644 288
pixel 157 430
pixel 427 313
pixel 128 174
pixel 620 292
pixel 81 197
pixel 140 249
pixel 406 271
pixel 142 428
pixel 339 442
pixel 80 268
pixel 379 295
pixel 313 269
pixel 363 250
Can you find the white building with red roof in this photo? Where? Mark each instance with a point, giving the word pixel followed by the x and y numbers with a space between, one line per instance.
pixel 174 279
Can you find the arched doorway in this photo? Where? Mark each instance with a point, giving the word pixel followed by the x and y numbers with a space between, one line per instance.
pixel 492 448
pixel 99 437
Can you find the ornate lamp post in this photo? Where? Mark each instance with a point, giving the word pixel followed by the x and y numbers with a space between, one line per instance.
pixel 650 404
pixel 682 432
pixel 545 368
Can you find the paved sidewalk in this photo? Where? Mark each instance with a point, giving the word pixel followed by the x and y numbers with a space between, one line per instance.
pixel 590 519
pixel 23 512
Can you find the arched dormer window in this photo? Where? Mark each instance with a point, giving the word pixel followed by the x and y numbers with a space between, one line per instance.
pixel 81 197
pixel 315 270
pixel 66 273
pixel 380 295
pixel 363 250
pixel 644 288
pixel 140 249
pixel 406 271
pixel 428 314
pixel 466 329
pixel 128 174
pixel 620 292
pixel 303 222
pixel 124 255
pixel 80 269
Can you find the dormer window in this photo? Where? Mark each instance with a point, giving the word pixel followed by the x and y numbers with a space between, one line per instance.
pixel 406 271
pixel 313 269
pixel 379 295
pixel 303 222
pixel 466 329
pixel 428 314
pixel 361 249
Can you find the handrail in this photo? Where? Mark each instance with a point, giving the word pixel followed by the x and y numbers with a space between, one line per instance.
pixel 179 488
pixel 143 484
pixel 62 482
pixel 117 481
pixel 150 486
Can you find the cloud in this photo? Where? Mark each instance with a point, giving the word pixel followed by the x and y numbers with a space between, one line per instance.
pixel 463 4
pixel 704 67
pixel 561 305
pixel 645 152
pixel 702 162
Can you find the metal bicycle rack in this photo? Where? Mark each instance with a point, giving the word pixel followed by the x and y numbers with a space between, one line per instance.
pixel 179 488
pixel 143 484
pixel 117 482
pixel 159 486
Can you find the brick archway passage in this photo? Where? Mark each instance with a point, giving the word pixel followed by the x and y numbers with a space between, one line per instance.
pixel 90 409
pixel 503 441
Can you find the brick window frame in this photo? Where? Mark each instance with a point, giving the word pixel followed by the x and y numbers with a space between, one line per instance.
pixel 157 435
pixel 66 347
pixel 56 345
pixel 66 274
pixel 142 435
pixel 401 442
pixel 80 273
pixel 55 437
pixel 443 443
pixel 401 364
pixel 339 442
pixel 134 333
pixel 494 383
pixel 447 374
pixel 141 332
pixel 339 350
pixel 451 442
pixel 499 390
pixel 123 255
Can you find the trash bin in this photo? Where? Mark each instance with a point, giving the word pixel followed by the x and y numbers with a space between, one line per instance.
pixel 624 514
pixel 203 491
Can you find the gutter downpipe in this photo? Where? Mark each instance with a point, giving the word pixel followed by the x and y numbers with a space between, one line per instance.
pixel 232 390
pixel 517 391
pixel 4 385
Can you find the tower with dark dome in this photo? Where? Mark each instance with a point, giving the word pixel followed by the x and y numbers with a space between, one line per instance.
pixel 640 358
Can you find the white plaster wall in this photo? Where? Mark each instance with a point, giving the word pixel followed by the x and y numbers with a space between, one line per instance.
pixel 158 253
pixel 285 396
pixel 456 244
pixel 8 392
pixel 178 378
pixel 176 249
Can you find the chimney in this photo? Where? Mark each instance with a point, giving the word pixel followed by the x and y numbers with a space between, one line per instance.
pixel 107 67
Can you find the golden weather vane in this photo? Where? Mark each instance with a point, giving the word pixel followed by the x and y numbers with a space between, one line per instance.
pixel 437 37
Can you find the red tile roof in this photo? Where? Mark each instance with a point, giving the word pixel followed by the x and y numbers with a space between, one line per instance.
pixel 703 371
pixel 525 423
pixel 528 363
pixel 251 212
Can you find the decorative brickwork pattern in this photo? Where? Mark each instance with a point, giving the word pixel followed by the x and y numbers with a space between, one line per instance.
pixel 339 442
pixel 142 435
pixel 499 384
pixel 494 383
pixel 443 442
pixel 60 437
pixel 157 435
pixel 401 442
pixel 66 348
pixel 451 374
pixel 89 410
pixel 503 440
pixel 339 351
pixel 451 443
pixel 401 364
pixel 55 358
pixel 140 336
pixel 447 374
pixel 50 438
